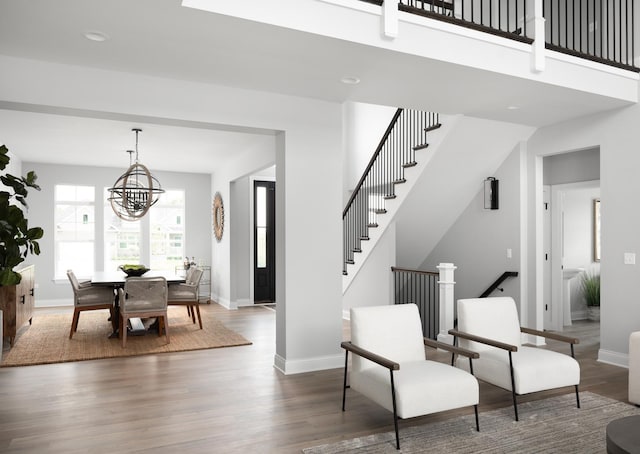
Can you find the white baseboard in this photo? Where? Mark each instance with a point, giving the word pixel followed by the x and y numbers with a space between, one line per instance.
pixel 225 303
pixel 54 303
pixel 244 303
pixel 613 358
pixel 299 366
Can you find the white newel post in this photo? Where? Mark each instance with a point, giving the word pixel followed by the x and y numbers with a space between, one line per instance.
pixel 390 18
pixel 536 19
pixel 446 283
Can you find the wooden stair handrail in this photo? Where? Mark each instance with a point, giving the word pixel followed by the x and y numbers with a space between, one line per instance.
pixel 373 160
pixel 500 280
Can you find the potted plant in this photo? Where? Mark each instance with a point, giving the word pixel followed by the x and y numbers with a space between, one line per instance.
pixel 590 283
pixel 17 239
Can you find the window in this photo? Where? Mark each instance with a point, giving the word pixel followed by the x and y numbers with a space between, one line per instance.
pixel 121 239
pixel 167 231
pixel 261 226
pixel 75 230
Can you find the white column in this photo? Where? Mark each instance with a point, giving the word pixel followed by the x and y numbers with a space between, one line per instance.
pixel 390 18
pixel 446 283
pixel 538 49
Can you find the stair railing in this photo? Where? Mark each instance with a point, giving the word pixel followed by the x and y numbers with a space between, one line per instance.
pixel 496 285
pixel 406 134
pixel 422 289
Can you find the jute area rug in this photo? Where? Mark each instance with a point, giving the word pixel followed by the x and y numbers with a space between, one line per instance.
pixel 552 425
pixel 47 339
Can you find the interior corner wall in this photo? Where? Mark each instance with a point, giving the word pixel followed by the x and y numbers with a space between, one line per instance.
pixel 377 268
pixel 617 135
pixel 478 241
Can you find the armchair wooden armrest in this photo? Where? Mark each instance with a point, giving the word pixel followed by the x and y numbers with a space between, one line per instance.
pixel 384 362
pixel 483 340
pixel 451 348
pixel 548 335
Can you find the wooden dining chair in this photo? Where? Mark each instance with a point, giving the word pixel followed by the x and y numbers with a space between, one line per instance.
pixel 87 297
pixel 187 294
pixel 143 297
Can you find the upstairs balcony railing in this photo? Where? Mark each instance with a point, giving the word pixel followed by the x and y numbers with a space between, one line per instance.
pixel 500 17
pixel 599 30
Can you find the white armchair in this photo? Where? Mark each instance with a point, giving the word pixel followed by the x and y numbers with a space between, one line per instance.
pixel 390 365
pixel 634 368
pixel 490 327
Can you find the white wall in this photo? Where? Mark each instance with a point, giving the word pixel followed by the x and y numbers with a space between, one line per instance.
pixel 471 152
pixel 240 245
pixel 583 165
pixel 478 241
pixel 41 213
pixel 617 135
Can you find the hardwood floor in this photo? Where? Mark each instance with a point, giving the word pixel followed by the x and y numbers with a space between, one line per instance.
pixel 228 400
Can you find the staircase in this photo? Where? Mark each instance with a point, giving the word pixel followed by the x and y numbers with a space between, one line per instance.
pixel 404 141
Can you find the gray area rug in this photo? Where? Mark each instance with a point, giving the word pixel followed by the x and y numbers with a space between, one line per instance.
pixel 551 425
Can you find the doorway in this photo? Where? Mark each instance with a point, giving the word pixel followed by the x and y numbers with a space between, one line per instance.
pixel 264 238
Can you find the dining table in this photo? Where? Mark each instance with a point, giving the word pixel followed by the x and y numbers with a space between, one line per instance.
pixel 117 279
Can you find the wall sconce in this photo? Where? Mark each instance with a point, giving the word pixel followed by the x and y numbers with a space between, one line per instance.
pixel 491 193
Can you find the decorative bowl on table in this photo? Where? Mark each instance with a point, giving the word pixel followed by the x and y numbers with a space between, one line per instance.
pixel 134 270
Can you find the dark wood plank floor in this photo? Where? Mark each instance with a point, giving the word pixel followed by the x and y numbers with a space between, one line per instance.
pixel 228 400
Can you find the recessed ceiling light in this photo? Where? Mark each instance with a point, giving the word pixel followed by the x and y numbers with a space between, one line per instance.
pixel 95 35
pixel 350 80
pixel 513 107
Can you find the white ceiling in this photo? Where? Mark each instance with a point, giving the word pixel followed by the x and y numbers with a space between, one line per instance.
pixel 161 38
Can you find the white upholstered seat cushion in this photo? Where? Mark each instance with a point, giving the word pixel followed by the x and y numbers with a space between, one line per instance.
pixel 422 387
pixel 534 369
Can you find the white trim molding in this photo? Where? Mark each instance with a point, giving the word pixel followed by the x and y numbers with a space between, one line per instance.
pixel 299 366
pixel 613 358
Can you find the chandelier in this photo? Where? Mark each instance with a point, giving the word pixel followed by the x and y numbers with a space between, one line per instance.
pixel 135 191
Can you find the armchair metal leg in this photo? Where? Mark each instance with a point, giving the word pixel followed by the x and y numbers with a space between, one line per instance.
pixel 513 387
pixel 475 409
pixel 395 410
pixel 577 397
pixel 344 387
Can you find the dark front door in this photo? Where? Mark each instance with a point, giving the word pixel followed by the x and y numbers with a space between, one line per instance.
pixel 264 247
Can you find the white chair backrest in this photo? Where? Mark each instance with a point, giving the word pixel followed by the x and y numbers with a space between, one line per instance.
pixel 194 277
pixel 74 280
pixel 151 289
pixel 493 318
pixel 394 332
